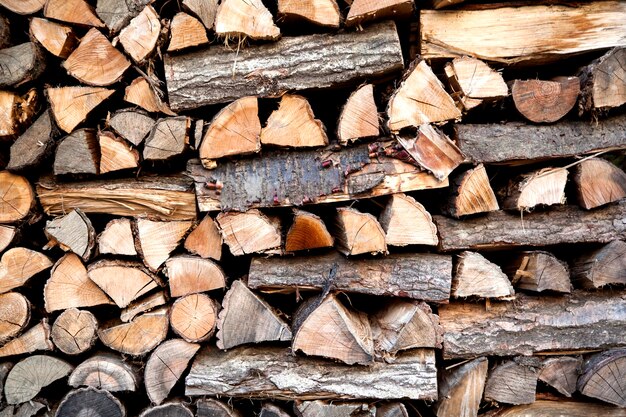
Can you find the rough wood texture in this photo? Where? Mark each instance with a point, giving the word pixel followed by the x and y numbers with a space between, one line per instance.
pixel 282 376
pixel 191 275
pixel 92 401
pixel 17 112
pixel 545 101
pixel 359 116
pixel 33 146
pixel 476 276
pixel 140 37
pixel 78 153
pixel 533 324
pixel 601 377
pixel 72 11
pixel 471 193
pixel 266 72
pixel 31 374
pixel 74 331
pixel 186 32
pixel 249 232
pixel 193 317
pixel 157 240
pixel 132 125
pixel 167 410
pixel 245 18
pixel 205 240
pixel 123 281
pixel 391 410
pixel 539 271
pixel 544 187
pixel 559 225
pixel 294 125
pixel 34 339
pixel 14 315
pixel 603 85
pixel 140 93
pixel 115 154
pixel 307 231
pixel 118 13
pixel 139 336
pixel 320 408
pixel 21 64
pixel 474 81
pixel 513 381
pixel 321 13
pixel 168 138
pixel 561 373
pixel 71 105
pixel 601 267
pixel 461 389
pixel 117 238
pixel 7 235
pixel 23 6
pixel 366 10
pixel 205 10
pixel 207 407
pixel 357 233
pixel 18 265
pixel 18 197
pixel 28 409
pixel 548 408
pixel 72 232
pixel 271 410
pixel 60 40
pixel 147 303
pixel 598 182
pixel 104 371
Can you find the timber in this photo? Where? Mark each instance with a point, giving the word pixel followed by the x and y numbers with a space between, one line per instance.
pixel 474 82
pixel 191 275
pixel 186 32
pixel 58 39
pixel 461 389
pixel 601 377
pixel 603 86
pixel 205 10
pixel 86 400
pixel 551 408
pixel 104 371
pixel 321 13
pixel 601 267
pixel 357 233
pixel 539 271
pixel 543 101
pixel 307 231
pixel 34 145
pixel 18 198
pixel 561 373
pixel 143 305
pixel 513 381
pixel 471 193
pixel 72 11
pixel 205 240
pixel 115 154
pixel 117 238
pixel 31 374
pixel 245 18
pixel 21 64
pixel 34 339
pixel 598 182
pixel 74 331
pixel 544 187
pixel 477 276
pixel 133 125
pixel 406 222
pixel 366 10
pixel 78 153
pixel 116 14
pixel 18 265
pixel 149 330
pixel 359 116
pixel 14 315
pixel 72 232
pixel 140 37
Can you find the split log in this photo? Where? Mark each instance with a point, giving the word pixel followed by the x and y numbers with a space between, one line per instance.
pixel 18 265
pixel 104 371
pixel 31 374
pixel 14 315
pixel 162 197
pixel 18 112
pixel 123 281
pixel 5 367
pixel 461 389
pixel 18 197
pixel 78 153
pixel 23 7
pixel 412 376
pixel 165 367
pixel 533 324
pixel 271 410
pixel 420 276
pixel 249 232
pixel 72 11
pixel 7 235
pixel 307 231
pixel 559 225
pixel 267 73
pixel 392 410
pixel 168 138
pixel 205 10
pixel 513 381
pixel 603 85
pixel 545 101
pixel 512 38
pixel 359 116
pixel 140 93
pixel 34 339
pixel 148 303
pixel 139 336
pixel 603 266
pixel 357 233
pixel 320 13
pixel 539 271
pixel 186 32
pixel 72 232
pixel 598 182
pixel 74 331
pixel 420 99
pixel 476 276
pixel 245 19
pixel 117 14
pixel 191 275
pixel 86 401
pixel 60 40
pixel 28 409
pixel 205 240
pixel 294 125
pixel 69 286
pixel 561 373
pixel 71 105
pixel 33 146
pixel 207 407
pixel 235 130
pixel 366 10
pixel 117 238
pixel 406 222
pixel 601 377
pixel 471 193
pixel 234 326
pixel 132 125
pixel 167 410
pixel 157 239
pixel 548 408
pixel 140 37
pixel 193 317
pixel 21 64
pixel 319 408
pixel 475 82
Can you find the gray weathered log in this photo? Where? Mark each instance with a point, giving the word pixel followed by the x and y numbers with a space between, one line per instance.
pixel 117 13
pixel 21 64
pixel 35 144
pixel 560 408
pixel 513 381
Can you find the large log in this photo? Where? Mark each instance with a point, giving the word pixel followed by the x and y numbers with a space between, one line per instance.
pixel 550 408
pixel 315 61
pixel 275 373
pixel 532 324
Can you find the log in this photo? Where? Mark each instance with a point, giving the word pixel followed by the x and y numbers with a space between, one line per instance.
pixel 69 286
pixel 471 193
pixel 140 93
pixel 117 238
pixel 34 339
pixel 18 197
pixel 601 267
pixel 320 408
pixel 72 233
pixel 74 331
pixel 104 371
pixel 548 408
pixel 60 40
pixel 167 410
pixel 168 138
pixel 139 336
pixel 543 101
pixel 29 409
pixel 191 275
pixel 392 410
pixel 5 32
pixel 5 367
pixel 165 367
pixel 234 326
pixel 31 374
pixel 205 10
pixel 18 111
pixel 513 381
pixel 461 389
pixel 513 40
pixel 561 373
pixel 411 376
pixel 7 235
pixel 603 86
pixel 33 146
pixel 477 276
pixel 307 231
pixel 359 116
pixel 78 153
pixel 245 19
pixel 294 125
pixel 71 105
pixel 362 11
pixel 117 14
pixel 78 12
pixel 474 82
pixel 23 7
pixel 533 324
pixel 559 225
pixel 601 377
pixel 406 222
pixel 249 232
pixel 205 240
pixel 148 303
pixel 18 265
pixel 267 73
pixel 132 125
pixel 115 154
pixel 14 315
pixel 157 239
pixel 320 13
pixel 357 233
pixel 193 317
pixel 140 37
pixel 419 276
pixel 271 410
pixel 539 271
pixel 208 407
pixel 598 182
pixel 99 403
pixel 122 281
pixel 21 64
pixel 186 32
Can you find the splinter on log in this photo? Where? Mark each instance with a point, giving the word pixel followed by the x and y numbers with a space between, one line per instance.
pixel 142 305
pixel 359 116
pixel 476 276
pixel 367 10
pixel 307 231
pixel 116 154
pixel 561 373
pixel 318 12
pixel 123 281
pixel 34 339
pixel 603 86
pixel 461 389
pixel 205 10
pixel 185 32
pixel 539 271
pixel 602 377
pixel 603 266
pixel 140 37
pixel 23 7
pixel 21 64
pixel 357 233
pixel 140 93
pixel 245 18
pixel 60 40
pixel 104 371
pixel 475 82
pixel 18 265
pixel 249 232
pixel 90 401
pixel 78 153
pixel 139 336
pixel 205 240
pixel 471 193
pixel 545 101
pixel 543 187
pixel 74 331
pixel 18 197
pixel 72 232
pixel 193 317
pixel 169 138
pixel 133 125
pixel 72 11
pixel 406 222
pixel 14 315
pixel 598 182
pixel 71 105
pixel 513 381
pixel 191 275
pixel 31 374
pixel 34 145
pixel 157 240
pixel 117 238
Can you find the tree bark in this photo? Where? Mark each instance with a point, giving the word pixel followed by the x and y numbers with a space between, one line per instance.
pixel 34 145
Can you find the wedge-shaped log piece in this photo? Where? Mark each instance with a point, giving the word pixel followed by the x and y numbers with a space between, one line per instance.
pixel 420 99
pixel 406 222
pixel 117 14
pixel 148 303
pixel 185 32
pixel 34 339
pixel 603 85
pixel 603 266
pixel 132 125
pixel 165 367
pixel 551 408
pixel 7 234
pixel 544 187
pixel 86 400
pixel 235 130
pixel 18 197
pixel 123 281
pixel 245 18
pixel 539 271
pixel 471 193
pixel 14 315
pixel 74 331
pixel 320 13
pixel 140 37
pixel 17 111
pixel 158 239
pixel 60 40
pixel 543 101
pixel 18 265
pixel 395 409
pixel 72 232
pixel 461 389
pixel 234 326
pixel 420 276
pixel 601 377
pixel 31 374
pixel 191 275
pixel 117 238
pixel 34 145
pixel 513 381
pixel 533 324
pixel 367 10
pixel 338 60
pixel 205 240
pixel 78 153
pixel 357 233
pixel 320 408
pixel 205 10
pixel 413 375
pixel 23 6
pixel 359 116
pixel 193 317
pixel 512 37
pixel 272 410
pixel 116 154
pixel 598 182
pixel 293 125
pixel 140 92
pixel 72 11
pixel 475 80
pixel 71 105
pixel 561 373
pixel 104 371
pixel 169 138
pixel 21 64
pixel 172 409
pixel 249 232
pixel 306 232
pixel 69 286
pixel 27 409
pixel 476 276
pixel 208 407
pixel 139 336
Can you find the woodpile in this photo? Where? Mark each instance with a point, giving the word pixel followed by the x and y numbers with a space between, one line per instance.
pixel 228 208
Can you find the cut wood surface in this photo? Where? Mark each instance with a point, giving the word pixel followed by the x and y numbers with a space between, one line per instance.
pixel 123 281
pixel 282 376
pixel 245 18
pixel 307 231
pixel 115 154
pixel 193 317
pixel 598 182
pixel 74 331
pixel 543 101
pixel 17 112
pixel 140 93
pixel 544 187
pixel 118 13
pixel 205 10
pixel 78 153
pixel 539 271
pixel 21 64
pixel 140 37
pixel 601 377
pixel 18 265
pixel 72 232
pixel 471 193
pixel 60 40
pixel 205 240
pixel 157 239
pixel 72 11
pixel 477 276
pixel 18 197
pixel 208 407
pixel 320 13
pixel 142 305
pixel 23 6
pixel 366 10
pixel 104 371
pixel 533 324
pixel 139 336
pixel 513 35
pixel 31 374
pixel 475 80
pixel 7 235
pixel 320 408
pixel 330 63
pixel 186 32
pixel 27 409
pixel 249 232
pixel 132 125
pixel 117 238
pixel 603 85
pixel 549 408
pixel 191 275
pixel 359 116
pixel 71 105
pixel 513 381
pixel 357 233
pixel 561 373
pixel 167 410
pixel 34 145
pixel 294 125
pixel 461 389
pixel 420 276
pixel 85 400
pixel 34 339
pixel 601 267
pixel 14 315
pixel 168 138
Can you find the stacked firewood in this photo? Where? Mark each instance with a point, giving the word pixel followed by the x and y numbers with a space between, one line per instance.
pixel 312 208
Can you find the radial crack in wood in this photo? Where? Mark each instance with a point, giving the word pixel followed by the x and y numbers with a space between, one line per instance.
pixel 74 331
pixel 17 199
pixel 461 389
pixel 132 125
pixel 544 187
pixel 601 377
pixel 18 265
pixel 71 105
pixel 116 154
pixel 104 371
pixel 603 82
pixel 116 14
pixel 513 381
pixel 21 64
pixel 140 37
pixel 406 222
pixel 193 317
pixel 84 401
pixel 359 116
pixel 34 339
pixel 598 182
pixel 139 336
pixel 169 138
pixel 561 373
pixel 471 193
pixel 476 80
pixel 34 145
pixel 142 305
pixel 123 281
pixel 31 374
pixel 245 18
pixel 476 276
pixel 191 275
pixel 14 315
pixel 60 40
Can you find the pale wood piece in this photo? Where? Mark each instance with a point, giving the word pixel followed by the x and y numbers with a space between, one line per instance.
pixel 513 381
pixel 139 336
pixel 72 233
pixel 412 376
pixel 78 153
pixel 21 64
pixel 603 85
pixel 245 18
pixel 439 4
pixel 117 14
pixel 69 286
pixel 14 315
pixel 406 222
pixel 476 80
pixel 71 105
pixel 193 317
pixel 104 371
pixel 18 265
pixel 117 238
pixel 471 193
pixel 462 101
pixel 17 112
pixel 7 234
pixel 208 407
pixel 539 271
pixel 601 377
pixel 18 197
pixel 307 231
pixel 28 409
pixel 359 116
pixel 549 408
pixel 205 10
pixel 90 401
pixel 72 11
pixel 601 267
pixel 116 154
pixel 34 145
pixel 598 182
pixel 325 327
pixel 461 389
pixel 186 32
pixel 60 40
pixel 513 35
pixel 132 125
pixel 271 410
pixel 318 12
pixel 123 281
pixel 31 374
pixel 421 98
pixel 320 408
pixel 140 92
pixel 74 331
pixel 544 187
pixel 165 367
pixel 167 410
pixel 34 339
pixel 140 37
pixel 235 326
pixel 205 240
pixel 249 232
pixel 235 130
pixel 543 101
pixel 357 233
pixel 157 239
pixel 23 7
pixel 149 302
pixel 561 373
pixel 191 275
pixel 476 276
pixel 168 138
pixel 367 10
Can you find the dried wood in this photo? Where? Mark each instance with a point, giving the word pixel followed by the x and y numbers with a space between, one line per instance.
pixel 60 40
pixel 461 389
pixel 132 125
pixel 78 12
pixel 307 231
pixel 186 32
pixel 543 101
pixel 601 267
pixel 357 233
pixel 476 276
pixel 34 339
pixel 271 410
pixel 123 281
pixel 205 240
pixel 99 403
pixel 367 10
pixel 359 116
pixel 78 153
pixel 117 238
pixel 72 233
pixel 17 112
pixel 33 146
pixel 548 408
pixel 7 235
pixel 23 6
pixel 18 197
pixel 31 374
pixel 104 371
pixel 140 37
pixel 513 381
pixel 18 265
pixel 139 336
pixel 115 154
pixel 193 317
pixel 14 315
pixel 249 232
pixel 320 13
pixel 391 410
pixel 192 275
pixel 406 222
pixel 475 81
pixel 28 409
pixel 158 239
pixel 167 410
pixel 561 373
pixel 320 408
pixel 603 85
pixel 21 64
pixel 601 377
pixel 267 73
pixel 148 303
pixel 471 193
pixel 205 10
pixel 74 331
pixel 208 407
pixel 5 32
pixel 245 18
pixel 544 187
pixel 539 271
pixel 598 182
pixel 140 93
pixel 117 14
pixel 71 105
pixel 168 138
